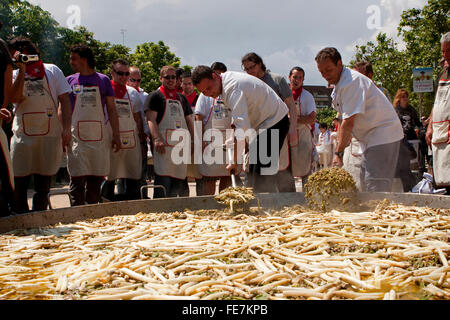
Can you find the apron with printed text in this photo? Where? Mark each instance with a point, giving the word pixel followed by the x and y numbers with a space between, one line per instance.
pixel 127 162
pixel 441 134
pixel 172 121
pixel 36 146
pixel 217 125
pixel 89 154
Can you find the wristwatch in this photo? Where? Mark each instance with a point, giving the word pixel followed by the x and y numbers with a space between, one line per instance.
pixel 339 154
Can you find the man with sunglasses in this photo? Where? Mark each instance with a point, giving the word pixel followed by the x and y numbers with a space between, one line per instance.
pixel 135 81
pixel 254 66
pixel 168 113
pixel 93 111
pixel 126 165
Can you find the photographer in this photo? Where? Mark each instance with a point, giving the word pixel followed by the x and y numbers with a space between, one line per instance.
pixel 6 172
pixel 41 127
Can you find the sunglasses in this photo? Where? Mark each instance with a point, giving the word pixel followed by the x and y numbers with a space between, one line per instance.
pixel 121 73
pixel 170 77
pixel 135 80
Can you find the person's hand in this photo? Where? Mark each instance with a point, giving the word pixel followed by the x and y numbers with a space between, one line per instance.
pixel 292 136
pixel 337 161
pixel 5 114
pixel 66 138
pixel 232 168
pixel 22 66
pixel 429 135
pixel 159 146
pixel 116 142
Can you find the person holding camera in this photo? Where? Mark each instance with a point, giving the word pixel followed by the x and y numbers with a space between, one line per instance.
pixel 6 168
pixel 41 127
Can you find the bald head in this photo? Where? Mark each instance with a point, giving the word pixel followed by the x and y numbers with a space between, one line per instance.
pixel 135 77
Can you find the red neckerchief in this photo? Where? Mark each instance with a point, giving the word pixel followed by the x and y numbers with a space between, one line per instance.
pixel 119 90
pixel 169 94
pixel 297 93
pixel 191 98
pixel 138 89
pixel 36 69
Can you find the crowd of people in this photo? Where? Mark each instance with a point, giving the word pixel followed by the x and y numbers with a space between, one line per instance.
pixel 204 126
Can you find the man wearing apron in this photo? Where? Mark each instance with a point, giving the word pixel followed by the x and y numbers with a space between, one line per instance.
pixel 41 129
pixel 439 126
pixel 301 155
pixel 135 82
pixel 214 115
pixel 367 115
pixel 126 165
pixel 168 113
pixel 254 65
pixel 255 109
pixel 93 112
pixel 6 168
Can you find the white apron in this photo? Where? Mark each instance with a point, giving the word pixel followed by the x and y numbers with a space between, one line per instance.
pixel 299 156
pixel 219 119
pixel 36 146
pixel 89 154
pixel 4 146
pixel 352 161
pixel 172 120
pixel 127 162
pixel 441 135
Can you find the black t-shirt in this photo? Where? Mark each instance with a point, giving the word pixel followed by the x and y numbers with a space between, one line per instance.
pixel 410 121
pixel 157 103
pixel 5 60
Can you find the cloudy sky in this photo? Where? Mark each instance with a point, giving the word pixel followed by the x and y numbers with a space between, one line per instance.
pixel 286 33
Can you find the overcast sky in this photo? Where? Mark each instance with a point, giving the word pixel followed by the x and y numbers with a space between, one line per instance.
pixel 286 33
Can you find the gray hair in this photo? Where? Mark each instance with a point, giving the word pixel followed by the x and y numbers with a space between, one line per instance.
pixel 445 38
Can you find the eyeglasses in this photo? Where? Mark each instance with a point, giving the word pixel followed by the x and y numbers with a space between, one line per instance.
pixel 135 80
pixel 170 77
pixel 121 73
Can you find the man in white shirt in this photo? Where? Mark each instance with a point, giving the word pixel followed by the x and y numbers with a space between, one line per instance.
pixel 135 81
pixel 254 105
pixel 368 115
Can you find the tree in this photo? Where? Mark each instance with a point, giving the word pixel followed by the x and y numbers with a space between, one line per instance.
pixel 420 30
pixel 326 115
pixel 150 58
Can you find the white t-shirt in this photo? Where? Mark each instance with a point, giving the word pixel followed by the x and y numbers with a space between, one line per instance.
pixel 307 103
pixel 56 81
pixel 253 103
pixel 376 121
pixel 135 98
pixel 203 107
pixel 143 95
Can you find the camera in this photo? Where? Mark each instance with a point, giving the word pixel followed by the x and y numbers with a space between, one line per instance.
pixel 27 58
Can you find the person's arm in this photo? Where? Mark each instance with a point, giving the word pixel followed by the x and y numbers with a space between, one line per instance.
pixel 17 86
pixel 158 142
pixel 65 110
pixel 292 135
pixel 344 138
pixel 114 120
pixel 311 118
pixel 4 113
pixel 429 134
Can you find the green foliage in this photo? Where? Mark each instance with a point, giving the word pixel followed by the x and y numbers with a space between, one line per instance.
pixel 326 115
pixel 20 18
pixel 150 58
pixel 420 29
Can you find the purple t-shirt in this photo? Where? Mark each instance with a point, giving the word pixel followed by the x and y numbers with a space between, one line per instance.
pixel 96 79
